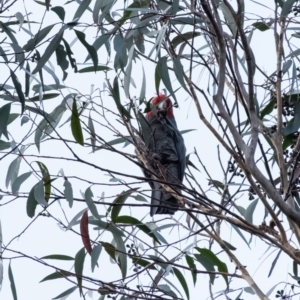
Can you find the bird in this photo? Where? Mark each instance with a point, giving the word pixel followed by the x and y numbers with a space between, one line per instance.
pixel 167 154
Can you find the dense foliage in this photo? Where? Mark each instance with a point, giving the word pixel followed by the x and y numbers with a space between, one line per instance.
pixel 74 80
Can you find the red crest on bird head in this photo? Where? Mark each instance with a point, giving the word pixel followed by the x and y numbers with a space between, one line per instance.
pixel 161 102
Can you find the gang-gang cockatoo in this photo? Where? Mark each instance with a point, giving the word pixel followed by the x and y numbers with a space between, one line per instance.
pixel 167 155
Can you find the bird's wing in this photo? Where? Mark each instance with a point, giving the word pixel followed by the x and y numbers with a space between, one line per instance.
pixel 179 146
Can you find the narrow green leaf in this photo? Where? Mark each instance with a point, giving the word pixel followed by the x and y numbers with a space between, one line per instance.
pixel 50 49
pixel 18 182
pixel 39 193
pixel 110 249
pixel 157 80
pixel 55 275
pixel 116 96
pixel 182 281
pixel 93 69
pixel 295 268
pixel 58 256
pixel 33 42
pixel 99 42
pixel 61 58
pixel 162 69
pixel 91 50
pixel 66 293
pixel 121 254
pixel 95 255
pixel 12 282
pixel 240 234
pixel 191 263
pixel 75 125
pixel 143 88
pixel 46 180
pixel 229 18
pixel 13 171
pixel 4 115
pixel 133 221
pixel 119 200
pixel 81 9
pixel 92 132
pixel 179 72
pixel 31 203
pixel 18 87
pixel 78 266
pixel 68 192
pixel 91 205
pixel 207 264
pixel 27 79
pixel 274 263
pixel 215 260
pixel 250 210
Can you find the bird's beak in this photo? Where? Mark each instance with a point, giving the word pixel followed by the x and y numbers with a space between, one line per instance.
pixel 162 105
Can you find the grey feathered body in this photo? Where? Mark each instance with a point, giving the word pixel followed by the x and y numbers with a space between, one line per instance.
pixel 166 146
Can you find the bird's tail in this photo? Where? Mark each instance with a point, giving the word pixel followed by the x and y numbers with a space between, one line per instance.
pixel 162 202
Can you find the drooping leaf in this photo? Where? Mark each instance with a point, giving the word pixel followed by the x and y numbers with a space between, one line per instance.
pixel 191 263
pixel 274 263
pixel 182 281
pixel 91 50
pixel 68 192
pixel 88 195
pixel 34 41
pixel 61 58
pixel 250 210
pixel 75 125
pixel 81 9
pixel 75 219
pixel 95 255
pixel 12 283
pixel 121 255
pixel 78 266
pixel 84 231
pixel 18 182
pixel 92 131
pixel 162 69
pixel 39 193
pixel 50 49
pixel 215 260
pixel 31 203
pixel 4 115
pixel 119 201
pixel 110 249
pixel 46 180
pixel 207 264
pixel 18 87
pixel 13 171
pixel 116 96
